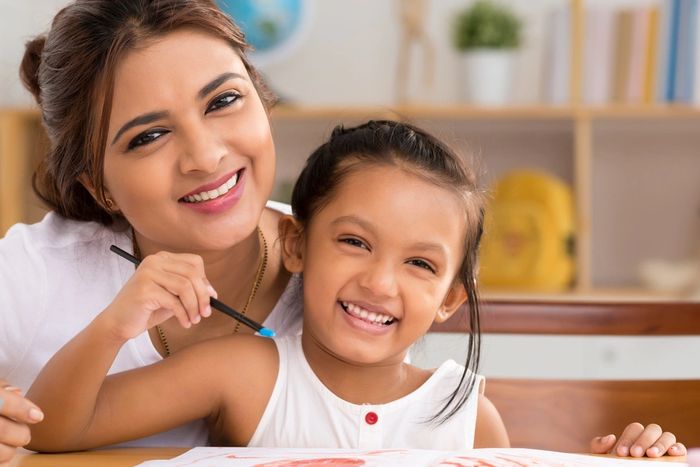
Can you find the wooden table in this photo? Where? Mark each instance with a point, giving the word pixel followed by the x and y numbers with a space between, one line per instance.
pixel 133 456
pixel 101 458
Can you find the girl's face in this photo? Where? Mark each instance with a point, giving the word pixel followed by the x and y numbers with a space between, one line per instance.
pixel 378 264
pixel 189 158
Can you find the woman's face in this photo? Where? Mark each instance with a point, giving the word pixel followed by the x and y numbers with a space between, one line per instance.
pixel 189 158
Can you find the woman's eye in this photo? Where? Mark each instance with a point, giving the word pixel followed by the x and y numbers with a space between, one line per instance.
pixel 146 138
pixel 223 101
pixel 354 242
pixel 422 264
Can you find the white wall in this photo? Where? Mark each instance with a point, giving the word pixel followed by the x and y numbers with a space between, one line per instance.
pixel 348 56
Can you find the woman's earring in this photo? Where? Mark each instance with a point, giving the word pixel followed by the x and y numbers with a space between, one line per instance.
pixel 110 204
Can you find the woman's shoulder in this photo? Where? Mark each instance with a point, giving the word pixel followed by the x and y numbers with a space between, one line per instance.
pixel 55 231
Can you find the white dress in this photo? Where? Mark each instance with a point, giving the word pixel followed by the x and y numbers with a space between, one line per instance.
pixel 303 413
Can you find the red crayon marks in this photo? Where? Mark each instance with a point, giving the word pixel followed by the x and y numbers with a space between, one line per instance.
pixel 332 461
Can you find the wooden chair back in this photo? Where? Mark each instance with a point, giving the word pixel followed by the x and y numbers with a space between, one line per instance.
pixel 564 415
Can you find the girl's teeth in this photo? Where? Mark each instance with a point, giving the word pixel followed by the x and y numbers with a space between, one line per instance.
pixel 215 193
pixel 369 316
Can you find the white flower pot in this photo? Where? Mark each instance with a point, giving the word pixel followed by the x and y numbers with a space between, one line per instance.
pixel 487 78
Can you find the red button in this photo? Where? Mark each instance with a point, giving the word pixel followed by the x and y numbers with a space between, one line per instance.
pixel 371 418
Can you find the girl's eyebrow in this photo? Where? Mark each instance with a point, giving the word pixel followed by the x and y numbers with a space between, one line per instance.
pixel 153 116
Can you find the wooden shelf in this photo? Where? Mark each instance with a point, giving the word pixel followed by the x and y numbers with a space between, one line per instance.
pixel 460 112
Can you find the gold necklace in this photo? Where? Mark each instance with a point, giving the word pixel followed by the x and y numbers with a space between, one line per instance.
pixel 260 273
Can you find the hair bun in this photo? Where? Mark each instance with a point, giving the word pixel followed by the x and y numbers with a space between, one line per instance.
pixel 29 69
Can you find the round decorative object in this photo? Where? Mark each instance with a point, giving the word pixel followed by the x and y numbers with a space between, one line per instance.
pixel 528 234
pixel 273 27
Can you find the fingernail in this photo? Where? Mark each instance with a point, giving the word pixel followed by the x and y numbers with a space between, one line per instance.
pixel 653 451
pixel 212 292
pixel 207 311
pixel 12 389
pixel 637 451
pixel 196 319
pixel 36 414
pixel 623 451
pixel 608 438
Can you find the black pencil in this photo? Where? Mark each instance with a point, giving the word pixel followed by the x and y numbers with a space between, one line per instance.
pixel 222 307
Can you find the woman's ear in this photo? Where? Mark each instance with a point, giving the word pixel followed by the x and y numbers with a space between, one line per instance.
pixel 456 296
pixel 109 204
pixel 291 235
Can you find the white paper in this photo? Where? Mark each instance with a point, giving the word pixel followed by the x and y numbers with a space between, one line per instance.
pixel 267 457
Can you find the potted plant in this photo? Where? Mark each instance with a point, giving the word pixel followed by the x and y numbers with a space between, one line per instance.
pixel 487 35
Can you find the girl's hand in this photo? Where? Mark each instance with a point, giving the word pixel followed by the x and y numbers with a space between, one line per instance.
pixel 16 413
pixel 637 441
pixel 164 285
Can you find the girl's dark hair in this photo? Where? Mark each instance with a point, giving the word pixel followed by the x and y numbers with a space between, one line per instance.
pixel 70 72
pixel 408 147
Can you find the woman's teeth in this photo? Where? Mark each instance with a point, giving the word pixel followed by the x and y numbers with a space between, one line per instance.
pixel 215 193
pixel 369 316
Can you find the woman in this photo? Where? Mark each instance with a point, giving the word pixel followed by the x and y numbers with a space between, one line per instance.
pixel 160 142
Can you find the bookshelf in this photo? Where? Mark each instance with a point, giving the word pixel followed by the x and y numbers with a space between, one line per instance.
pixel 572 130
pixel 578 142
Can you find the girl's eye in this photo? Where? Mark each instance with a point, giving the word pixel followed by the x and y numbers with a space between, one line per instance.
pixel 146 137
pixel 354 242
pixel 222 101
pixel 421 264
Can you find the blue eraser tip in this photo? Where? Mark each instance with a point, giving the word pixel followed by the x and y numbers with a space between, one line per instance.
pixel 266 332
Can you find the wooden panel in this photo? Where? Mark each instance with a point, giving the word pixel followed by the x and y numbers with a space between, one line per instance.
pixel 583 318
pixel 566 415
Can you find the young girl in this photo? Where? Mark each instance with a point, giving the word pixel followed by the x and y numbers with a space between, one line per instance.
pixel 385 236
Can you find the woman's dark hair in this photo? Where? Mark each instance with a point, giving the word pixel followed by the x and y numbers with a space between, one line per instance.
pixel 403 145
pixel 70 71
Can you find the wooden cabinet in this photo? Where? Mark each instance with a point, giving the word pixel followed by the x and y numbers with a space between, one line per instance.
pixel 635 172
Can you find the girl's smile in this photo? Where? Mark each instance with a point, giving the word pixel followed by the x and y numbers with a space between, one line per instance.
pixel 368 318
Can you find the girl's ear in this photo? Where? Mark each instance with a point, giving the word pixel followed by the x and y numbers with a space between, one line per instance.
pixel 291 235
pixel 456 296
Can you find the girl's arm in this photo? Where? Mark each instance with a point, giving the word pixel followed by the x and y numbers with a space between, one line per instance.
pixel 490 431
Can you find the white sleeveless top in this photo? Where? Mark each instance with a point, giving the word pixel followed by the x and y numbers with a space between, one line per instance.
pixel 303 413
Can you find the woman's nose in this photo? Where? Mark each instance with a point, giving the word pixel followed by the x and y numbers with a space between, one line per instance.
pixel 202 150
pixel 380 279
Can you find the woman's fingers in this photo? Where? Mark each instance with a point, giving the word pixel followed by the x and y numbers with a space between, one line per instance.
pixel 16 407
pixel 15 413
pixel 188 282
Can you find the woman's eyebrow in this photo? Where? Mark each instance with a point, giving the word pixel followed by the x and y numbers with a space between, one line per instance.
pixel 140 120
pixel 216 82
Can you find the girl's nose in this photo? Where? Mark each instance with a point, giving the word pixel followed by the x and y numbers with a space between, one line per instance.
pixel 202 150
pixel 380 279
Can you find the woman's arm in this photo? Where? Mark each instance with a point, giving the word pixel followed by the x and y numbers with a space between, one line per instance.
pixel 84 410
pixel 490 431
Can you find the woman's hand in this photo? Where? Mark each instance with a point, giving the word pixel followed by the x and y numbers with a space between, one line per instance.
pixel 637 441
pixel 164 285
pixel 16 413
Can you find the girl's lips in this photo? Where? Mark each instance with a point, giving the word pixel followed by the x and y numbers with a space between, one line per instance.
pixel 364 325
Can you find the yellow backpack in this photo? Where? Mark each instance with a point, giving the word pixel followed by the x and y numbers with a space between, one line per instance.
pixel 528 234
